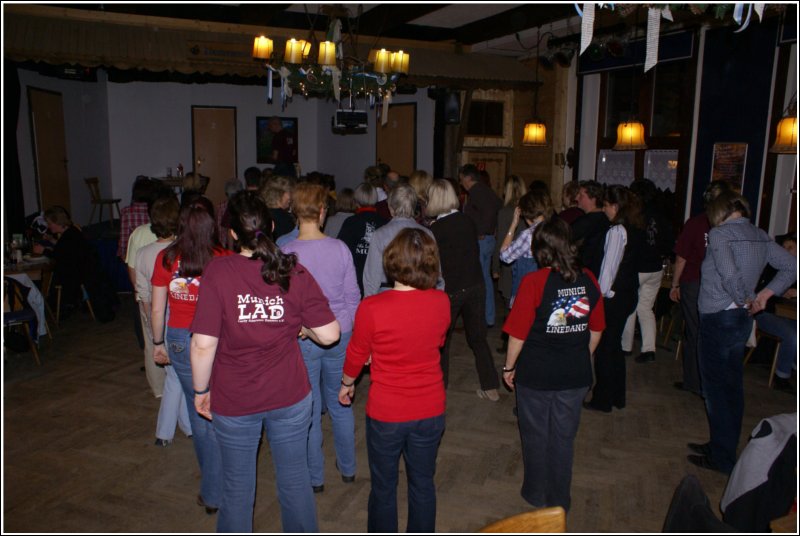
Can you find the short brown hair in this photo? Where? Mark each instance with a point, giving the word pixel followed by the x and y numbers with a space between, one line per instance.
pixel 307 200
pixel 412 259
pixel 58 215
pixel 534 204
pixel 164 216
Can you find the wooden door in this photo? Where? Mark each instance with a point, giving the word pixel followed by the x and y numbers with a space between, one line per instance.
pixel 49 148
pixel 214 147
pixel 495 163
pixel 397 139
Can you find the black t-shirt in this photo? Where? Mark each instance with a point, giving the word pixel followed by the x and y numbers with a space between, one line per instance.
pixel 458 251
pixel 284 222
pixel 589 232
pixel 555 354
pixel 356 232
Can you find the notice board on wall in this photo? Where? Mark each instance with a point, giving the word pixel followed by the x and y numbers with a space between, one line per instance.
pixel 728 163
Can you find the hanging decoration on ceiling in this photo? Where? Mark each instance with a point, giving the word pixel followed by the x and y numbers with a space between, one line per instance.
pixel 334 73
pixel 657 11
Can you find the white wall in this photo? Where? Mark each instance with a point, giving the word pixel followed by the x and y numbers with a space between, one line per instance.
pixel 86 132
pixel 116 131
pixel 590 110
pixel 347 156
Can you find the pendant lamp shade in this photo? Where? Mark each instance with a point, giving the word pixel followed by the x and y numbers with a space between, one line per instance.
pixel 262 48
pixel 630 136
pixel 535 134
pixel 786 138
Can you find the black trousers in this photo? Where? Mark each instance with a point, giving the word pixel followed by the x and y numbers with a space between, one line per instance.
pixel 609 363
pixel 691 342
pixel 471 304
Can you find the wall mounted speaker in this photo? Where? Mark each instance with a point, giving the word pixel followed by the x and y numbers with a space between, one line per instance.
pixel 452 108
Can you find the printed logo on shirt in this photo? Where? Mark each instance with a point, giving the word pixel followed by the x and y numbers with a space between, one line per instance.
pixel 570 311
pixel 255 309
pixel 363 244
pixel 184 288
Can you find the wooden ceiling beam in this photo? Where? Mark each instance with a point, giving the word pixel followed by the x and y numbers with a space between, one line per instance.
pixel 511 21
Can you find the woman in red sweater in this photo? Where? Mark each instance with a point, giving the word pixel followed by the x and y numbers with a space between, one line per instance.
pixel 399 332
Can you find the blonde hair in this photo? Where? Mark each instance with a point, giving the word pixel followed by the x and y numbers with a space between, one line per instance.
pixel 420 180
pixel 442 198
pixel 513 191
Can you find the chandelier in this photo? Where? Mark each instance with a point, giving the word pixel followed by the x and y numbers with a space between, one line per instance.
pixel 323 69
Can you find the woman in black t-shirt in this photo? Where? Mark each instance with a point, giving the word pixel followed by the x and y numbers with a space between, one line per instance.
pixel 553 329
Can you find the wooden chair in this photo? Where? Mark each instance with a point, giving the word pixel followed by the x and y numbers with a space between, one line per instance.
pixel 93 184
pixel 85 297
pixel 759 335
pixel 552 519
pixel 17 312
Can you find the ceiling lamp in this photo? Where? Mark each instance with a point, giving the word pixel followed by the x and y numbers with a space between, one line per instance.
pixel 535 131
pixel 630 136
pixel 630 133
pixel 786 136
pixel 333 73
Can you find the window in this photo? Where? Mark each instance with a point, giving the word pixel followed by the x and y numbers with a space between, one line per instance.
pixel 667 99
pixel 619 94
pixel 485 119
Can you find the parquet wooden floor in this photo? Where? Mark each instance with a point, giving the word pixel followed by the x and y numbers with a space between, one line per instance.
pixel 79 455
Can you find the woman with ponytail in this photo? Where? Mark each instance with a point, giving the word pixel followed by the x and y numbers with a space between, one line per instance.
pixel 248 370
pixel 553 329
pixel 176 277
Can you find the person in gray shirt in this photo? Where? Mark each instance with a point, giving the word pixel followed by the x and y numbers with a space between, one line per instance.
pixel 402 201
pixel 736 255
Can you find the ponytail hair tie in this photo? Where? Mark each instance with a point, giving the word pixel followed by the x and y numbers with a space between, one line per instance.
pixel 259 234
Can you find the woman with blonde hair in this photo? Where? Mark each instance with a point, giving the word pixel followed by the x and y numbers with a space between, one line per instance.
pixel 330 262
pixel 513 191
pixel 457 239
pixel 420 180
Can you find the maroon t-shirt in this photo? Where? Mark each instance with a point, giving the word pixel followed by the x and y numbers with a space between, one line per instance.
pixel 258 365
pixel 691 246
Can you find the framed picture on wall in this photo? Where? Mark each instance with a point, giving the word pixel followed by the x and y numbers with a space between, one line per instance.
pixel 283 131
pixel 728 163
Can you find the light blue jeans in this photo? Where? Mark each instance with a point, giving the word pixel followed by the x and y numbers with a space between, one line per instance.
pixel 486 250
pixel 203 436
pixel 287 433
pixel 324 367
pixel 173 408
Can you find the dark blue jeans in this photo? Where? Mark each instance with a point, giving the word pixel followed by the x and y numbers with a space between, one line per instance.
pixel 418 443
pixel 722 339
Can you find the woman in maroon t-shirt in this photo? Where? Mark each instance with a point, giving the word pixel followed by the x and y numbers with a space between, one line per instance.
pixel 400 331
pixel 248 371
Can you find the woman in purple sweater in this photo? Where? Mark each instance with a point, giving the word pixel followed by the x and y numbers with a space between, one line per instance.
pixel 330 262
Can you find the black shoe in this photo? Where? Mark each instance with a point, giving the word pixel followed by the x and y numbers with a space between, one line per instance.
pixel 592 407
pixel 318 489
pixel 626 353
pixel 210 510
pixel 704 462
pixel 346 479
pixel 645 357
pixel 163 442
pixel 703 449
pixel 783 384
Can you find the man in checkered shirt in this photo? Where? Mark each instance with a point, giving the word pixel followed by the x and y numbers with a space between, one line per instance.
pixel 136 214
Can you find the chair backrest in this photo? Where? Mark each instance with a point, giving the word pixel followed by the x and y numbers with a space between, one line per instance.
pixel 15 295
pixel 94 187
pixel 552 519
